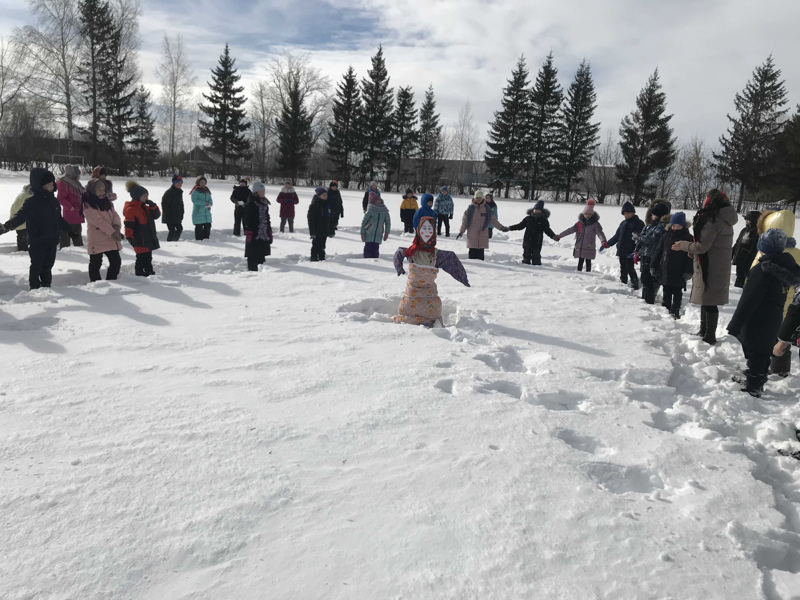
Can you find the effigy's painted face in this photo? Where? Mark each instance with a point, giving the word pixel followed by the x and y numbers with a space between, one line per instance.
pixel 426 231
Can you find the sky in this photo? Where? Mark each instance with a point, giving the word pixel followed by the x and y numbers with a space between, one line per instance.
pixel 705 50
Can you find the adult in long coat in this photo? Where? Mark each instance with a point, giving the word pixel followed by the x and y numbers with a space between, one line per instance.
pixel 257 227
pixel 337 207
pixel 712 248
pixel 475 223
pixel 288 199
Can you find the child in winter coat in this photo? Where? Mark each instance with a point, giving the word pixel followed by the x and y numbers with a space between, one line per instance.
pixel 656 222
pixel 475 223
pixel 746 247
pixel 41 214
pixel 790 328
pixel 759 314
pixel 625 240
pixel 103 230
pixel 318 223
pixel 493 206
pixel 421 304
pixel 172 209
pixel 587 230
pixel 140 215
pixel 408 208
pixel 257 227
pixel 201 209
pixel 425 210
pixel 536 225
pixel 336 206
pixel 375 226
pixel 239 197
pixel 288 199
pixel 22 232
pixel 671 267
pixel 70 191
pixel 99 173
pixel 444 208
pixel 373 187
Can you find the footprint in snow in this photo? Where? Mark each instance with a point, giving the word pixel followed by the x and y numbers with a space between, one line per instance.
pixel 621 479
pixel 509 388
pixel 505 359
pixel 580 442
pixel 447 386
pixel 558 401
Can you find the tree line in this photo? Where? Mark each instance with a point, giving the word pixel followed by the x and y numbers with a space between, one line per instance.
pixel 74 72
pixel 542 140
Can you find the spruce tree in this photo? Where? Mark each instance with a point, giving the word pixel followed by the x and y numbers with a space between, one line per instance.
pixel 144 145
pixel 430 142
pixel 748 149
pixel 344 137
pixel 377 121
pixel 225 132
pixel 787 176
pixel 544 131
pixel 507 147
pixel 118 93
pixel 403 138
pixel 578 137
pixel 646 141
pixel 96 28
pixel 295 136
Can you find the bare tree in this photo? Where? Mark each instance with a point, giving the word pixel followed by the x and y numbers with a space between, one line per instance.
pixel 177 80
pixel 12 78
pixel 601 178
pixel 50 50
pixel 262 112
pixel 466 138
pixel 288 71
pixel 696 169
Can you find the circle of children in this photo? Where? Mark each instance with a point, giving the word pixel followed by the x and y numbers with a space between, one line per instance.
pixel 766 320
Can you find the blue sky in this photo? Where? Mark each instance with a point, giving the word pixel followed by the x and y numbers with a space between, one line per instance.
pixel 705 49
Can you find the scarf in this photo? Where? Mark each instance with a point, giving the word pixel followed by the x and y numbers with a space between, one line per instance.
pixel 418 244
pixel 90 199
pixel 73 183
pixel 203 190
pixel 471 213
pixel 287 189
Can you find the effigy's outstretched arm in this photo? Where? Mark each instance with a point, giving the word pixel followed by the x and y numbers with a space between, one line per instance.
pixel 399 257
pixel 450 264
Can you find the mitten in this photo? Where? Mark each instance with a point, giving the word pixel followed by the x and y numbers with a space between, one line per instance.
pixel 505 230
pixel 270 236
pixel 605 245
pixel 459 236
pixel 3 229
pixel 116 236
pixel 248 236
pixel 449 216
pixel 636 258
pixel 557 238
pixel 240 203
pixel 385 236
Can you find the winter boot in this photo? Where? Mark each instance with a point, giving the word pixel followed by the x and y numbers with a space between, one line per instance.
pixel 755 385
pixel 675 310
pixel 703 323
pixel 710 336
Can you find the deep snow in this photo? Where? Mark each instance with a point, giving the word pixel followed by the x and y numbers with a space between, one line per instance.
pixel 214 433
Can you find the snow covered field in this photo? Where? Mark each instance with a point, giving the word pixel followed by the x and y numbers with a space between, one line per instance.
pixel 214 433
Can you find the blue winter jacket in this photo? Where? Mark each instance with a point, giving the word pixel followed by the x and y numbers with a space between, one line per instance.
pixel 424 210
pixel 201 214
pixel 626 236
pixel 444 204
pixel 376 223
pixel 647 245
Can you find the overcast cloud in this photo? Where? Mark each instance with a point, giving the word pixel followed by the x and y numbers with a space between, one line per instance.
pixel 705 49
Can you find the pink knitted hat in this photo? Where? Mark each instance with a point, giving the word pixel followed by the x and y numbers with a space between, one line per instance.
pixel 589 208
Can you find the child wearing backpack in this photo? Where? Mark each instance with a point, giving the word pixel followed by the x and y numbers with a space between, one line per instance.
pixel 672 267
pixel 140 214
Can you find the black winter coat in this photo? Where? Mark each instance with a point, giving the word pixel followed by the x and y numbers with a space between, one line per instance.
pixel 627 235
pixel 746 247
pixel 41 214
pixel 671 267
pixel 252 222
pixel 791 322
pixel 535 227
pixel 318 217
pixel 240 193
pixel 759 314
pixel 335 203
pixel 172 206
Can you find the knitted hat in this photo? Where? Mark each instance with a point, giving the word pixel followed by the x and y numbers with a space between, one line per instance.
pixel 257 186
pixel 72 171
pixel 772 242
pixel 199 179
pixel 374 198
pixel 660 209
pixel 628 207
pixel 589 208
pixel 41 177
pixel 176 178
pixel 426 198
pixel 409 191
pixel 539 205
pixel 678 218
pixel 319 191
pixel 135 190
pixel 334 184
pixel 243 181
pixel 444 188
pixel 752 216
pixel 478 194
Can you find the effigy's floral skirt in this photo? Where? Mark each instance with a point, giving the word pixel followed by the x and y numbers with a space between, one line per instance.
pixel 420 304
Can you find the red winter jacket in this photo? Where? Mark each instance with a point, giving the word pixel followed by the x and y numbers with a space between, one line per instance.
pixel 287 199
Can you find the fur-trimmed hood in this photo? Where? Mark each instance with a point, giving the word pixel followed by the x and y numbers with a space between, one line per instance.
pixel 782 267
pixel 593 218
pixel 649 217
pixel 545 213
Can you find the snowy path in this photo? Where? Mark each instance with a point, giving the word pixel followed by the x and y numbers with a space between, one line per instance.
pixel 212 433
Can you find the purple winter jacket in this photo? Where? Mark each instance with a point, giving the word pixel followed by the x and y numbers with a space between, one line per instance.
pixel 586 233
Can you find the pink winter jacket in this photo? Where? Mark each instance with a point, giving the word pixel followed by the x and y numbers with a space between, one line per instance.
pixel 70 201
pixel 100 224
